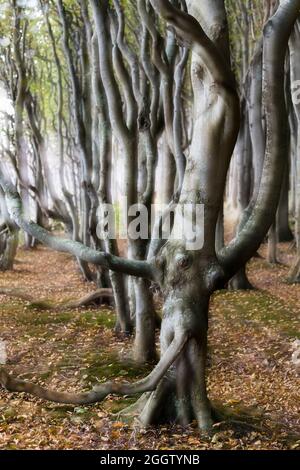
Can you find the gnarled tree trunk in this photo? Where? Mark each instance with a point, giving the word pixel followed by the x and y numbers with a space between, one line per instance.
pixel 189 273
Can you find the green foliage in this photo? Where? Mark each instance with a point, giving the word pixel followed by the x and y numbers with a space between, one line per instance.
pixel 245 19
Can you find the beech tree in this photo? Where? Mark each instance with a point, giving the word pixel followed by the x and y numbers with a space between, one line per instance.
pixel 294 56
pixel 175 390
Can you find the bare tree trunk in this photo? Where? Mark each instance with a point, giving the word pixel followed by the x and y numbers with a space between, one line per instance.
pixel 182 395
pixel 9 238
pixel 294 275
pixel 103 151
pixel 272 245
pixel 19 38
pixel 284 233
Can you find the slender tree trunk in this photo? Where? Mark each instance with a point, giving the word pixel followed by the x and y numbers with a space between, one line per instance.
pixel 181 396
pixel 240 280
pixel 272 245
pixel 144 346
pixel 19 38
pixel 189 274
pixel 294 275
pixel 9 252
pixel 284 233
pixel 9 239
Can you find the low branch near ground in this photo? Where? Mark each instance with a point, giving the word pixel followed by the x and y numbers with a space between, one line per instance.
pixel 82 302
pixel 100 392
pixel 131 267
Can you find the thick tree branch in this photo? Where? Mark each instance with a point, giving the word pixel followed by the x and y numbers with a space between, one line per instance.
pixel 131 267
pixel 276 36
pixel 100 15
pixel 188 28
pixel 100 392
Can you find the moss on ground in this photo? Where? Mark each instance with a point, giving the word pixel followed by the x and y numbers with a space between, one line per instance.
pixel 261 308
pixel 45 318
pixel 95 318
pixel 105 318
pixel 108 365
pixel 91 361
pixel 119 404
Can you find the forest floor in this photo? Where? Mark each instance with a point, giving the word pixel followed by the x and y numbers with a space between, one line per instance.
pixel 252 375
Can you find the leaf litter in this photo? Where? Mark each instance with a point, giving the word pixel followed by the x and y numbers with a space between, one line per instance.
pixel 253 364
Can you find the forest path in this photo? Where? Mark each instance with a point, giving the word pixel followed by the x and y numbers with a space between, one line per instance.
pixel 251 371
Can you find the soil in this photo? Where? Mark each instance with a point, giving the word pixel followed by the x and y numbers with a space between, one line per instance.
pixel 253 371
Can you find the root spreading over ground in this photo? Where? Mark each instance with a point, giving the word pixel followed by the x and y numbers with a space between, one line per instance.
pixel 253 380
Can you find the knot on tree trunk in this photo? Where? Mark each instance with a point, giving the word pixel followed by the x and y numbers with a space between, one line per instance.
pixel 143 121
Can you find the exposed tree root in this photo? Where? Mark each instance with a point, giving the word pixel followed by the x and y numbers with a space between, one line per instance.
pixel 133 411
pixel 180 397
pixel 294 274
pixel 99 392
pixel 102 293
pixel 160 407
pixel 99 296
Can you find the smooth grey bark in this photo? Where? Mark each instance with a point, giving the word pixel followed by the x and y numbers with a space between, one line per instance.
pixel 262 215
pixel 142 269
pixel 244 186
pixel 144 343
pixel 102 174
pixel 168 175
pixel 125 131
pixel 294 275
pixel 59 210
pixel 284 232
pixel 272 245
pixel 257 134
pixel 19 38
pixel 185 301
pixel 137 129
pixel 188 277
pixel 9 247
pixel 60 104
pixel 257 144
pixel 83 129
pixel 9 237
pixel 213 19
pixel 284 210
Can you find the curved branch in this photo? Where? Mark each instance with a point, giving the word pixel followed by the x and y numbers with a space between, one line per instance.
pixel 275 42
pixel 123 75
pixel 128 53
pixel 158 53
pixel 177 118
pixel 76 92
pixel 18 293
pixel 100 392
pixel 160 62
pixel 188 28
pixel 110 85
pixel 107 260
